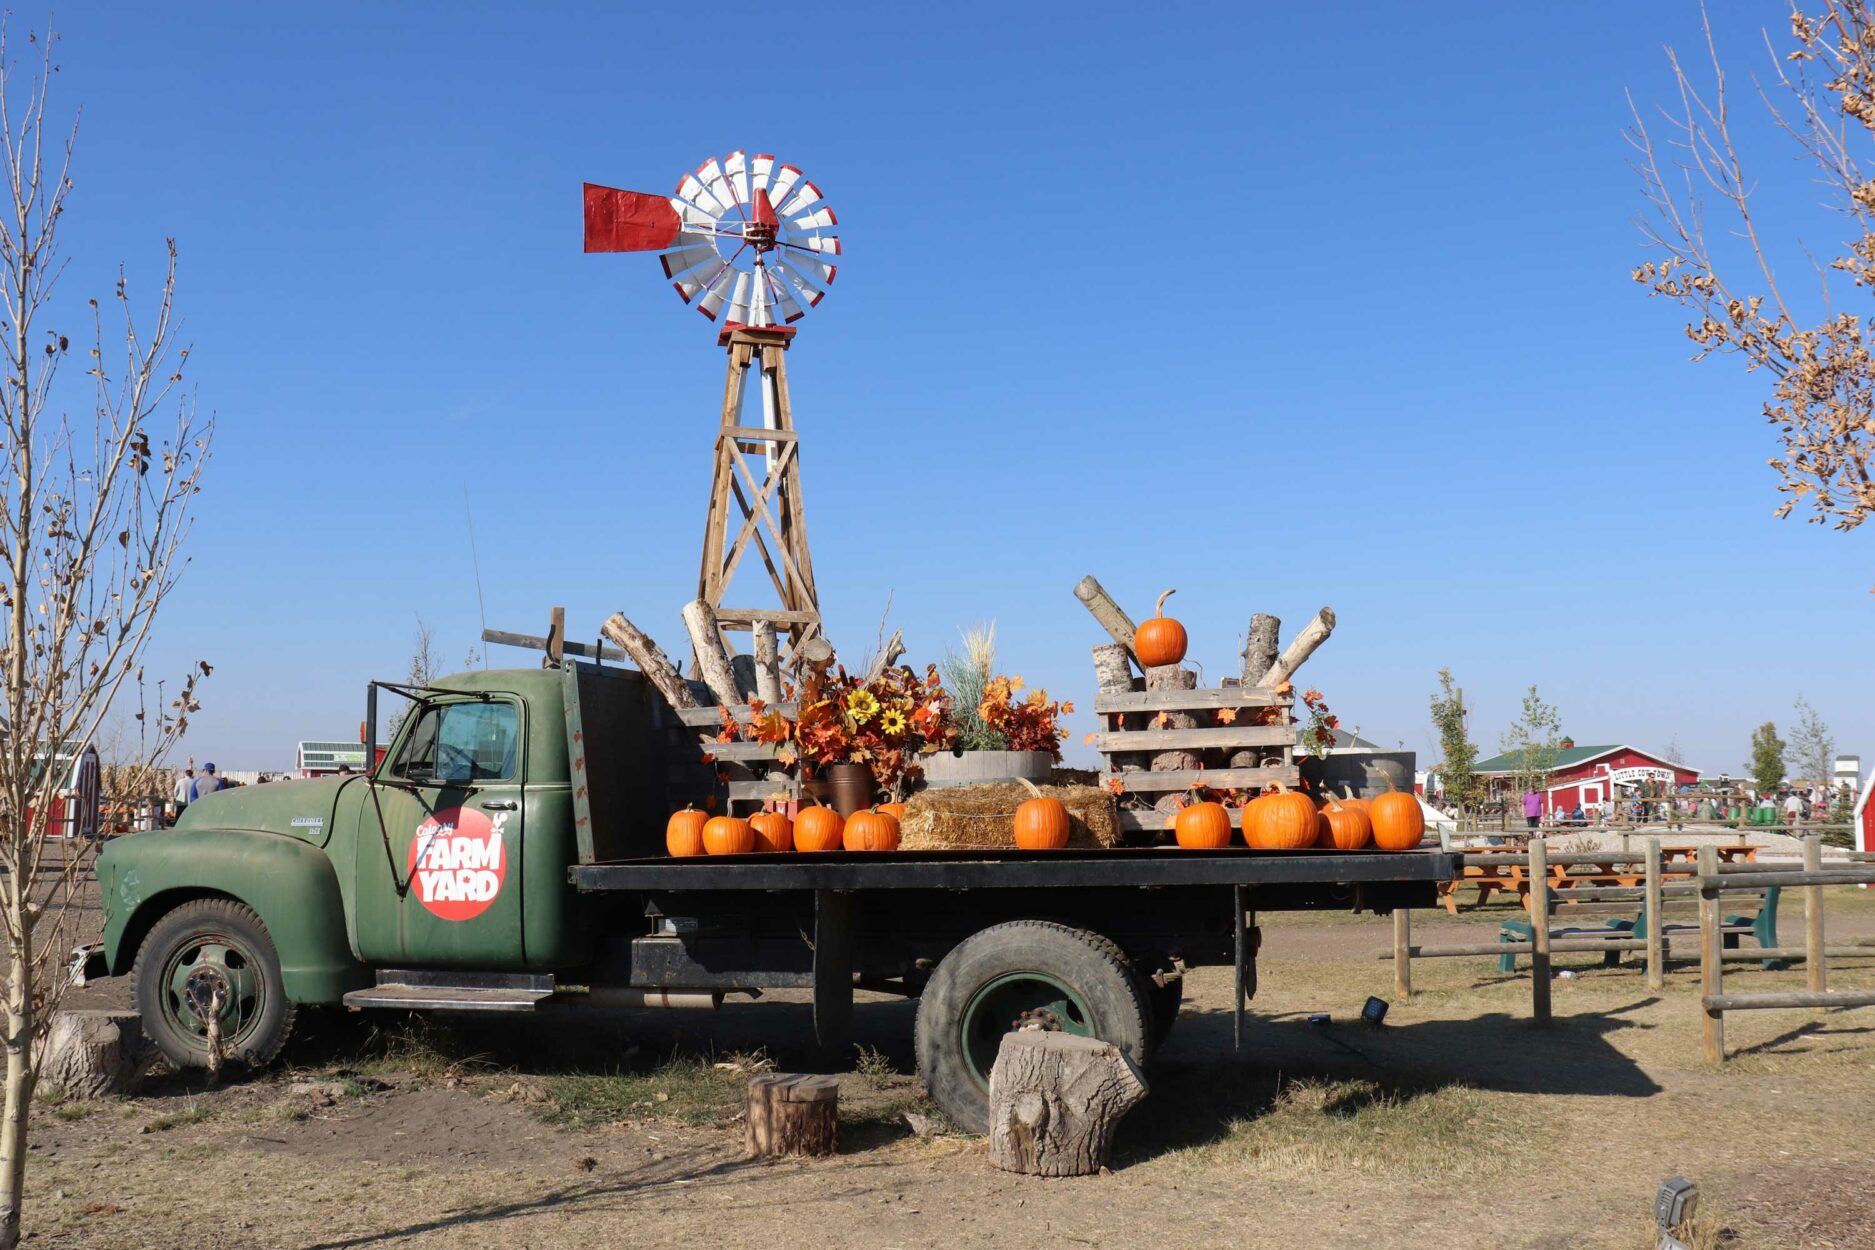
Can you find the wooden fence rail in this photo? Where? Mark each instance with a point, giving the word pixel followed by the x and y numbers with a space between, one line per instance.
pixel 1713 883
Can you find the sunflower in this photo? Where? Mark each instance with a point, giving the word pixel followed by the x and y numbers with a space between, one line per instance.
pixel 892 721
pixel 861 706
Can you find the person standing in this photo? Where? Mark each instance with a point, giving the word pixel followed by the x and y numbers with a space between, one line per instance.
pixel 1532 809
pixel 206 784
pixel 1793 812
pixel 185 789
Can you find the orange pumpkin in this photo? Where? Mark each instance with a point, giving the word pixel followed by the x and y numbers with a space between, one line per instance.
pixel 1041 824
pixel 1284 821
pixel 1202 827
pixel 818 829
pixel 1398 822
pixel 683 833
pixel 1358 804
pixel 1159 640
pixel 773 831
pixel 1345 828
pixel 728 835
pixel 895 810
pixel 872 830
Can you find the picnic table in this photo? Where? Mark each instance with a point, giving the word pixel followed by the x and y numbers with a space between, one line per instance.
pixel 1676 861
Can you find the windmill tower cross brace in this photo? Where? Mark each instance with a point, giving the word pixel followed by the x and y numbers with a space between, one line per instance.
pixel 755 236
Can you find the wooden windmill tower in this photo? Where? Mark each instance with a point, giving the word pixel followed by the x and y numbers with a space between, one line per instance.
pixel 748 238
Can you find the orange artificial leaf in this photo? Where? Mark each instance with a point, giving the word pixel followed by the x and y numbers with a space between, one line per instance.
pixel 1162 720
pixel 1091 739
pixel 1116 786
pixel 1225 715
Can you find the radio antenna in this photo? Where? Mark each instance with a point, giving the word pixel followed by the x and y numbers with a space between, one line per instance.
pixel 475 562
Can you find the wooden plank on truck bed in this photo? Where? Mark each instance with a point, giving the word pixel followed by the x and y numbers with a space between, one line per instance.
pixel 1195 739
pixel 1186 700
pixel 1212 778
pixel 712 717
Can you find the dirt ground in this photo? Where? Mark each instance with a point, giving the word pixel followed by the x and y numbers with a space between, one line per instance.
pixel 1458 1123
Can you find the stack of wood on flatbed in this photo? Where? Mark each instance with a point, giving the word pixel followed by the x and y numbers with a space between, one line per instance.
pixel 1160 733
pixel 746 774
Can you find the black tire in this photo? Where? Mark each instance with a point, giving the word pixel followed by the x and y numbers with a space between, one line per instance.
pixel 201 946
pixel 958 1021
pixel 1163 1001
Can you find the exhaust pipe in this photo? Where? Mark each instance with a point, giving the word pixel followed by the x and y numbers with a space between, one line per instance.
pixel 616 997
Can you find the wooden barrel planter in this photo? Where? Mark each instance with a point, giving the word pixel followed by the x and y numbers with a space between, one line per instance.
pixel 976 768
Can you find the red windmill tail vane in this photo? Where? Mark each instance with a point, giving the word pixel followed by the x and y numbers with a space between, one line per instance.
pixel 746 236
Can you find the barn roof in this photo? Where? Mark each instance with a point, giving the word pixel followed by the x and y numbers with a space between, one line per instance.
pixel 1510 761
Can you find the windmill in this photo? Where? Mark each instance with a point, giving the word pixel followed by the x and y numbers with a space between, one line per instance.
pixel 749 239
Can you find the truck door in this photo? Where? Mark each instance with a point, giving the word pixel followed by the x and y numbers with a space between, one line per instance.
pixel 440 884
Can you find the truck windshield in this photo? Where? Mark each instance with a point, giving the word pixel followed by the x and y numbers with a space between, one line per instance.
pixel 460 742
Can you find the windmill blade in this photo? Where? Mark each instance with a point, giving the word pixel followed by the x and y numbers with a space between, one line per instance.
pixel 791 310
pixel 712 300
pixel 806 289
pixel 698 194
pixel 683 259
pixel 785 178
pixel 817 271
pixel 804 195
pixel 758 298
pixel 735 168
pixel 691 215
pixel 761 169
pixel 819 219
pixel 825 243
pixel 711 175
pixel 628 221
pixel 739 302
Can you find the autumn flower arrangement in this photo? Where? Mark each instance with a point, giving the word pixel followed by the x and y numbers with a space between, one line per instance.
pixel 885 723
pixel 1031 723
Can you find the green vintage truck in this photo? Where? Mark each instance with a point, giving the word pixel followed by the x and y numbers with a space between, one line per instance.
pixel 506 855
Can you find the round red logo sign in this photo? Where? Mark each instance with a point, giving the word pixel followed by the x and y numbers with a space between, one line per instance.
pixel 458 862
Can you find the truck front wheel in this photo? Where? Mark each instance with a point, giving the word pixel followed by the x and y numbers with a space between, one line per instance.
pixel 212 959
pixel 1024 970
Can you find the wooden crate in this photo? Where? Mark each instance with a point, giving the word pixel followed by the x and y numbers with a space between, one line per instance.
pixel 1130 737
pixel 734 768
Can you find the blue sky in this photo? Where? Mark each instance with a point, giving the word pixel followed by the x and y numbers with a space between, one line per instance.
pixel 1279 305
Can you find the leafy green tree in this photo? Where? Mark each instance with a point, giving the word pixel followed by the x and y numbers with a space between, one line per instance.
pixel 1462 784
pixel 1533 738
pixel 1812 746
pixel 1767 758
pixel 1841 812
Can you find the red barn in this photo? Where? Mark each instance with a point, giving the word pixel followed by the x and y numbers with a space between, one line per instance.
pixel 1587 775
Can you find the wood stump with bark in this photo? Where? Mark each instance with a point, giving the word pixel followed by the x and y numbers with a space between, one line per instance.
pixel 790 1114
pixel 96 1054
pixel 1172 677
pixel 1055 1100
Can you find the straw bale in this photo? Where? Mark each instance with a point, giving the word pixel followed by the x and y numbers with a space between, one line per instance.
pixel 971 818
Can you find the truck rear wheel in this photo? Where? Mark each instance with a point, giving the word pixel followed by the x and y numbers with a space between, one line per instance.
pixel 1069 979
pixel 208 951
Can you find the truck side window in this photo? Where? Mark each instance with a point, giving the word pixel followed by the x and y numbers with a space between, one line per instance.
pixel 461 742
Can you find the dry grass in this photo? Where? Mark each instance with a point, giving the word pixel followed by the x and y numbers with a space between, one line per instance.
pixel 963 818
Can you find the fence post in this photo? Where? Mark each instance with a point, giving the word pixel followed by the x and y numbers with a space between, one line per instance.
pixel 1656 939
pixel 1813 917
pixel 1403 952
pixel 1711 955
pixel 1539 932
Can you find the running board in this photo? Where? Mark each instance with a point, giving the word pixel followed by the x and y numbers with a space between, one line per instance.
pixel 424 990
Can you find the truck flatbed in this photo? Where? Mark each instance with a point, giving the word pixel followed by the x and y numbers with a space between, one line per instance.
pixel 1143 867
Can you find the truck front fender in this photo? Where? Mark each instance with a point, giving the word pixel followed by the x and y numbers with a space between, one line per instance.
pixel 289 883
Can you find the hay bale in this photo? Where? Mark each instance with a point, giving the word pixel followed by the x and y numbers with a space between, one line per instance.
pixel 977 818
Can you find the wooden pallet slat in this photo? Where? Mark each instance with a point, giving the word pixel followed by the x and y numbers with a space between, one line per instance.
pixel 1194 739
pixel 1213 778
pixel 712 717
pixel 1188 700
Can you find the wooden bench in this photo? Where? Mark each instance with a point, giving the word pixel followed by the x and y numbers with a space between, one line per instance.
pixel 1761 926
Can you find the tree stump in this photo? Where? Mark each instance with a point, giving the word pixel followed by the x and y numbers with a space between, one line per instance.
pixel 1173 677
pixel 96 1054
pixel 1055 1099
pixel 789 1114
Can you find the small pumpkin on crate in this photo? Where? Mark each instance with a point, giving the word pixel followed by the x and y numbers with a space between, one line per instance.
pixel 683 832
pixel 1041 822
pixel 1283 821
pixel 818 829
pixel 1159 640
pixel 727 835
pixel 871 830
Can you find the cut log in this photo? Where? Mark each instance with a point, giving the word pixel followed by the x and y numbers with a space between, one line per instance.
pixel 894 648
pixel 1172 677
pixel 812 653
pixel 712 659
pixel 1055 1100
pixel 1112 616
pixel 767 662
pixel 96 1054
pixel 1113 673
pixel 650 659
pixel 1300 648
pixel 1260 648
pixel 742 668
pixel 788 1114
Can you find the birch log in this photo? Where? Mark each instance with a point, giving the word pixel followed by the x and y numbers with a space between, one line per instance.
pixel 650 659
pixel 1113 674
pixel 1300 648
pixel 1260 649
pixel 767 662
pixel 1112 616
pixel 1173 677
pixel 712 659
pixel 1055 1099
